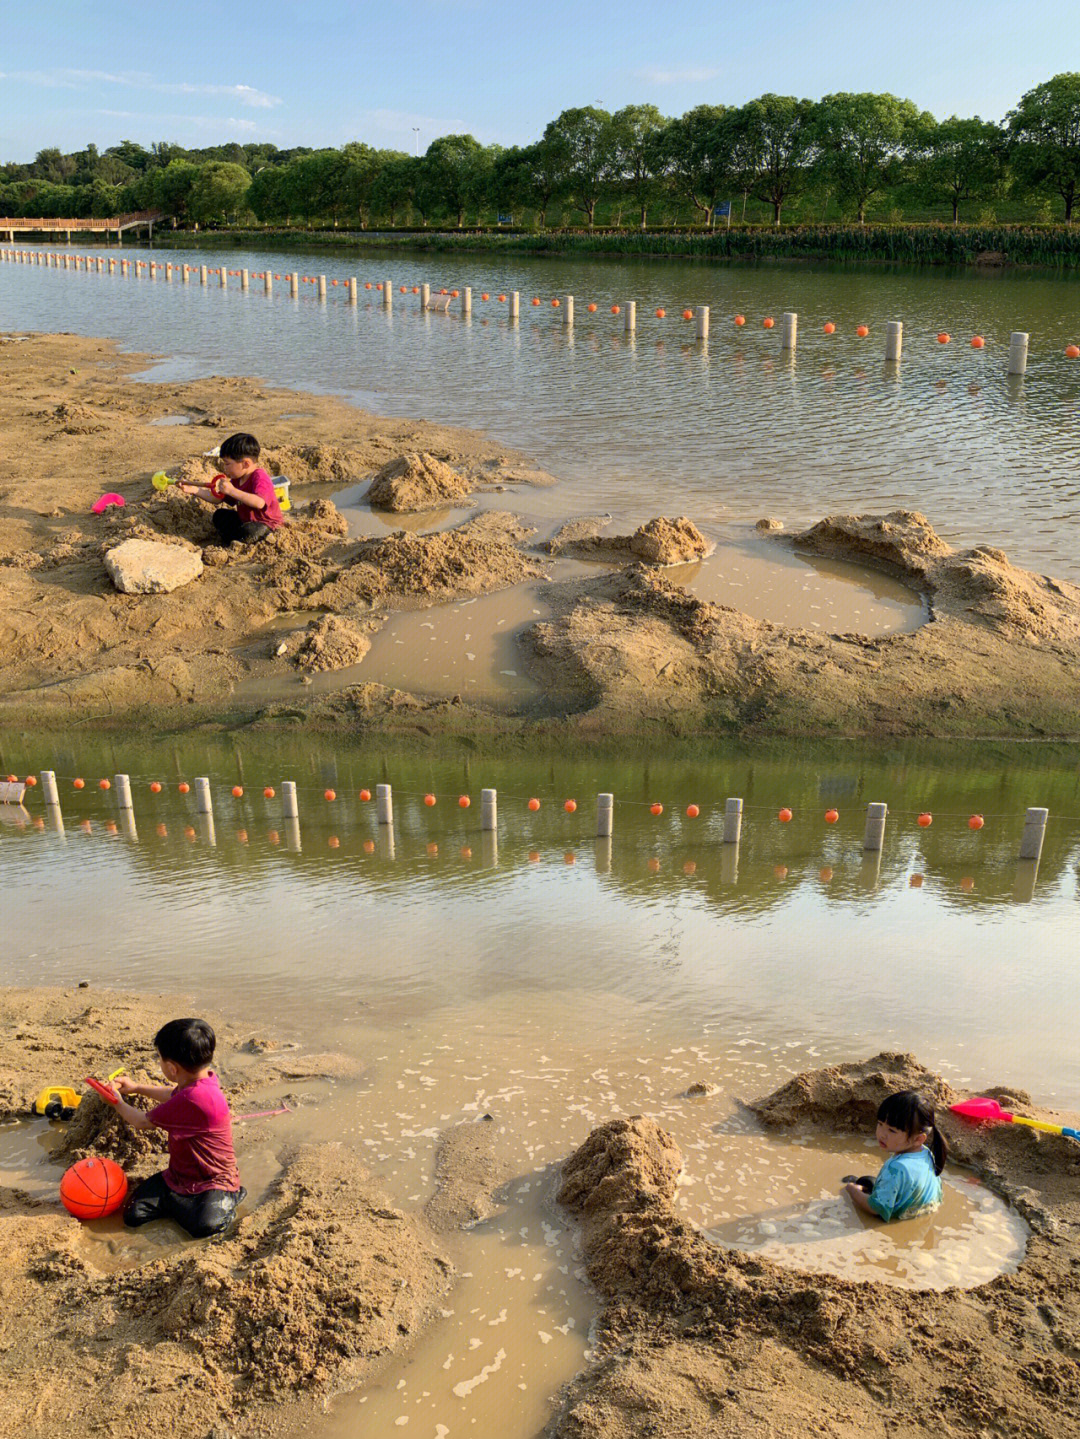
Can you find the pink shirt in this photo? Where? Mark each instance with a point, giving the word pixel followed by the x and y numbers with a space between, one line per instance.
pixel 259 483
pixel 197 1121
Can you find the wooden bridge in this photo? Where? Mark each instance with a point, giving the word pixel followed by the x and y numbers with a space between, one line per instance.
pixel 114 225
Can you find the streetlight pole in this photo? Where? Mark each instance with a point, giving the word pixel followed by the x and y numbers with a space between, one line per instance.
pixel 416 142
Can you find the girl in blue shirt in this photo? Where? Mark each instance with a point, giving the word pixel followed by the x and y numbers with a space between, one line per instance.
pixel 908 1180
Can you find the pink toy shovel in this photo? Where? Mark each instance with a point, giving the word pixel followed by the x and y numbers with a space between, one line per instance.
pixel 989 1111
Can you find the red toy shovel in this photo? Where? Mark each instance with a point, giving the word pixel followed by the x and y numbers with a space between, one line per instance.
pixel 989 1111
pixel 110 1096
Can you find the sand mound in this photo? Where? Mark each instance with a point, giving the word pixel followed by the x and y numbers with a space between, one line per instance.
pixel 659 542
pixel 331 643
pixel 97 1129
pixel 416 481
pixel 847 1096
pixel 76 419
pixel 314 464
pixel 903 541
pixel 469 1168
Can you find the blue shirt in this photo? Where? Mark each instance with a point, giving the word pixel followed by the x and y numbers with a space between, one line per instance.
pixel 907 1182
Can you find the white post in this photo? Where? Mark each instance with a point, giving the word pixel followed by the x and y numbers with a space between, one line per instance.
pixel 292 836
pixel 874 834
pixel 387 294
pixel 352 291
pixel 1034 832
pixel 203 802
pixel 630 316
pixel 425 296
pixel 245 280
pixel 732 821
pixel 789 330
pixel 703 322
pixel 894 340
pixel 268 283
pixel 322 287
pixel 515 305
pixel 294 285
pixel 223 275
pixel 202 274
pixel 288 800
pixel 168 273
pixel 123 792
pixel 489 811
pixel 384 804
pixel 1018 352
pixel 605 815
pixel 568 311
pixel 466 301
pixel 49 792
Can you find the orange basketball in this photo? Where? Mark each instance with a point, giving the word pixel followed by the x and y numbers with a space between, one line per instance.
pixel 93 1188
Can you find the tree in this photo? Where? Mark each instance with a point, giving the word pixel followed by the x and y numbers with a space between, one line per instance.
pixel 457 169
pixel 171 189
pixel 268 195
pixel 771 143
pixel 862 140
pixel 395 184
pixel 699 157
pixel 1045 133
pixel 582 147
pixel 218 192
pixel 131 154
pixel 958 160
pixel 638 157
pixel 528 176
pixel 50 165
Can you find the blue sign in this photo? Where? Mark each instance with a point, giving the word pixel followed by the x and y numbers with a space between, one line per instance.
pixel 723 207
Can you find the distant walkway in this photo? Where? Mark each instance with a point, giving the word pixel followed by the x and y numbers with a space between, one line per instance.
pixel 116 224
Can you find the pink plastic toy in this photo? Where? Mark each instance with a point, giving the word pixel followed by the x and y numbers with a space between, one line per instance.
pixel 112 498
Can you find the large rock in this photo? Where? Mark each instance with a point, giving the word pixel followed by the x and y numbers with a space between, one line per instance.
pixel 416 481
pixel 142 567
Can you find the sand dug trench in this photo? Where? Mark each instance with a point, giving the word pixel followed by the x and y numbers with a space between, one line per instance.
pixel 701 1341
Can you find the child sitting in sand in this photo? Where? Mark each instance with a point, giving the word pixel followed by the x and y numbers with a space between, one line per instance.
pixel 251 510
pixel 908 1180
pixel 201 1187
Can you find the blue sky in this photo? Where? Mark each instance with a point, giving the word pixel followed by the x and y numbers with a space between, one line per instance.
pixel 394 75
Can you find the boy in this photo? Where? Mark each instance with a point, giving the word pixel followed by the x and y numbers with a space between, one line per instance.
pixel 252 511
pixel 201 1187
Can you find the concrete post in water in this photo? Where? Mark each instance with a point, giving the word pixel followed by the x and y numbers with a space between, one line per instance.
pixel 630 316
pixel 605 815
pixel 294 285
pixel 733 821
pixel 49 792
pixel 874 834
pixel 292 836
pixel 352 291
pixel 223 277
pixel 515 305
pixel 150 268
pixel 894 341
pixel 1031 842
pixel 203 803
pixel 703 322
pixel 1018 352
pixel 384 804
pixel 202 274
pixel 387 294
pixel 123 792
pixel 67 262
pixel 168 273
pixel 789 330
pixel 729 864
pixel 489 849
pixel 112 266
pixel 288 800
pixel 322 287
pixel 185 274
pixel 466 301
pixel 489 811
pixel 100 264
pixel 425 296
pixel 268 282
pixel 603 854
pixel 568 312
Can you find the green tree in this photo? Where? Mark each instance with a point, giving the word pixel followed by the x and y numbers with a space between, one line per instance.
pixel 957 161
pixel 53 167
pixel 1045 133
pixel 268 194
pixel 395 185
pixel 360 170
pixel 699 157
pixel 170 189
pixel 529 176
pixel 218 192
pixel 132 155
pixel 771 143
pixel 638 156
pixel 456 172
pixel 862 141
pixel 582 146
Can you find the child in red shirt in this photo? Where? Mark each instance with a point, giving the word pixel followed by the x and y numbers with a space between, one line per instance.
pixel 251 510
pixel 201 1187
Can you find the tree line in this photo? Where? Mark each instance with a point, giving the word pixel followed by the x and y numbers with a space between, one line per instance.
pixel 845 157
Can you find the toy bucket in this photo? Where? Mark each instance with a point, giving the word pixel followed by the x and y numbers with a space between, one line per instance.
pixel 281 489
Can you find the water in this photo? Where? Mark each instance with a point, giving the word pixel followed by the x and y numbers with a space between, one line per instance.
pixel 725 433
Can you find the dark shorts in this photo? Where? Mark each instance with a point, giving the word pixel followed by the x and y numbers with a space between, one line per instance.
pixel 230 527
pixel 200 1214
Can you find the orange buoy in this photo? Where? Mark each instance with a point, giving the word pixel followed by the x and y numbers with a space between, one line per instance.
pixel 402 288
pixel 831 816
pixel 184 787
pixel 465 852
pixel 378 286
pixel 614 309
pixel 31 781
pixel 110 826
pixel 825 875
pixel 569 857
pixel 369 846
pixel 1072 352
pixel 690 867
pixel 334 842
pixel 429 800
pixel 78 784
pixel 242 834
pixel 13 779
pixel 189 833
pixel 977 342
pixel 502 299
pixel 654 866
pixel 329 795
pixel 692 811
pixel 570 806
pixel 268 792
pixel 862 331
pixel 365 795
pixel 416 289
pixel 944 337
pixel 104 784
pixel 660 314
pixel 155 788
pixel 86 826
pixel 740 319
pixel 829 327
pixel 162 831
pixel 784 816
pixel 591 308
pixel 367 283
pixel 485 296
pixel 454 294
pixel 433 848
pixel 688 314
pixel 967 884
pixel 916 881
pixel 976 822
pixel 780 871
pixel 273 837
pixel 464 801
pixel 534 856
pixel 768 322
pixel 238 791
pixel 555 304
pixel 534 804
pixel 656 809
pixel 536 300
pixel 925 820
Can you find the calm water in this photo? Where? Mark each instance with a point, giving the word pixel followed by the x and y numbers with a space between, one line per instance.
pixel 725 433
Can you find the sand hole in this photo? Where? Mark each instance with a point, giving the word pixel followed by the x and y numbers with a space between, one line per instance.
pixel 164 421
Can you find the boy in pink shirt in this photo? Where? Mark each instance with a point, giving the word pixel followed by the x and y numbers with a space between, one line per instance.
pixel 201 1187
pixel 251 510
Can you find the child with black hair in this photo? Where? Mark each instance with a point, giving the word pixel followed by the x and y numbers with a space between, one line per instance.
pixel 251 510
pixel 201 1187
pixel 908 1180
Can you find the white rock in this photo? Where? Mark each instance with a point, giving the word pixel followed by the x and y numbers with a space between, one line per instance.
pixel 143 567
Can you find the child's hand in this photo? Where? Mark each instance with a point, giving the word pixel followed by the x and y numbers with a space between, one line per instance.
pixel 123 1085
pixel 186 489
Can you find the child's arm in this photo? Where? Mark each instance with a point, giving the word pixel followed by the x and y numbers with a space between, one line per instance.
pixel 228 491
pixel 157 1092
pixel 137 1118
pixel 860 1199
pixel 200 490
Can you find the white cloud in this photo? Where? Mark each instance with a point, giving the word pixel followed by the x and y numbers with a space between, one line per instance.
pixel 201 122
pixel 653 76
pixel 67 79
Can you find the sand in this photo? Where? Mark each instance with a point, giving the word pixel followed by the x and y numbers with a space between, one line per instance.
pixel 700 1341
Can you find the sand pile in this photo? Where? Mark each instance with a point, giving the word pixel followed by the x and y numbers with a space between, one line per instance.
pixel 659 542
pixel 331 643
pixel 470 1167
pixel 74 418
pixel 416 481
pixel 314 464
pixel 697 1340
